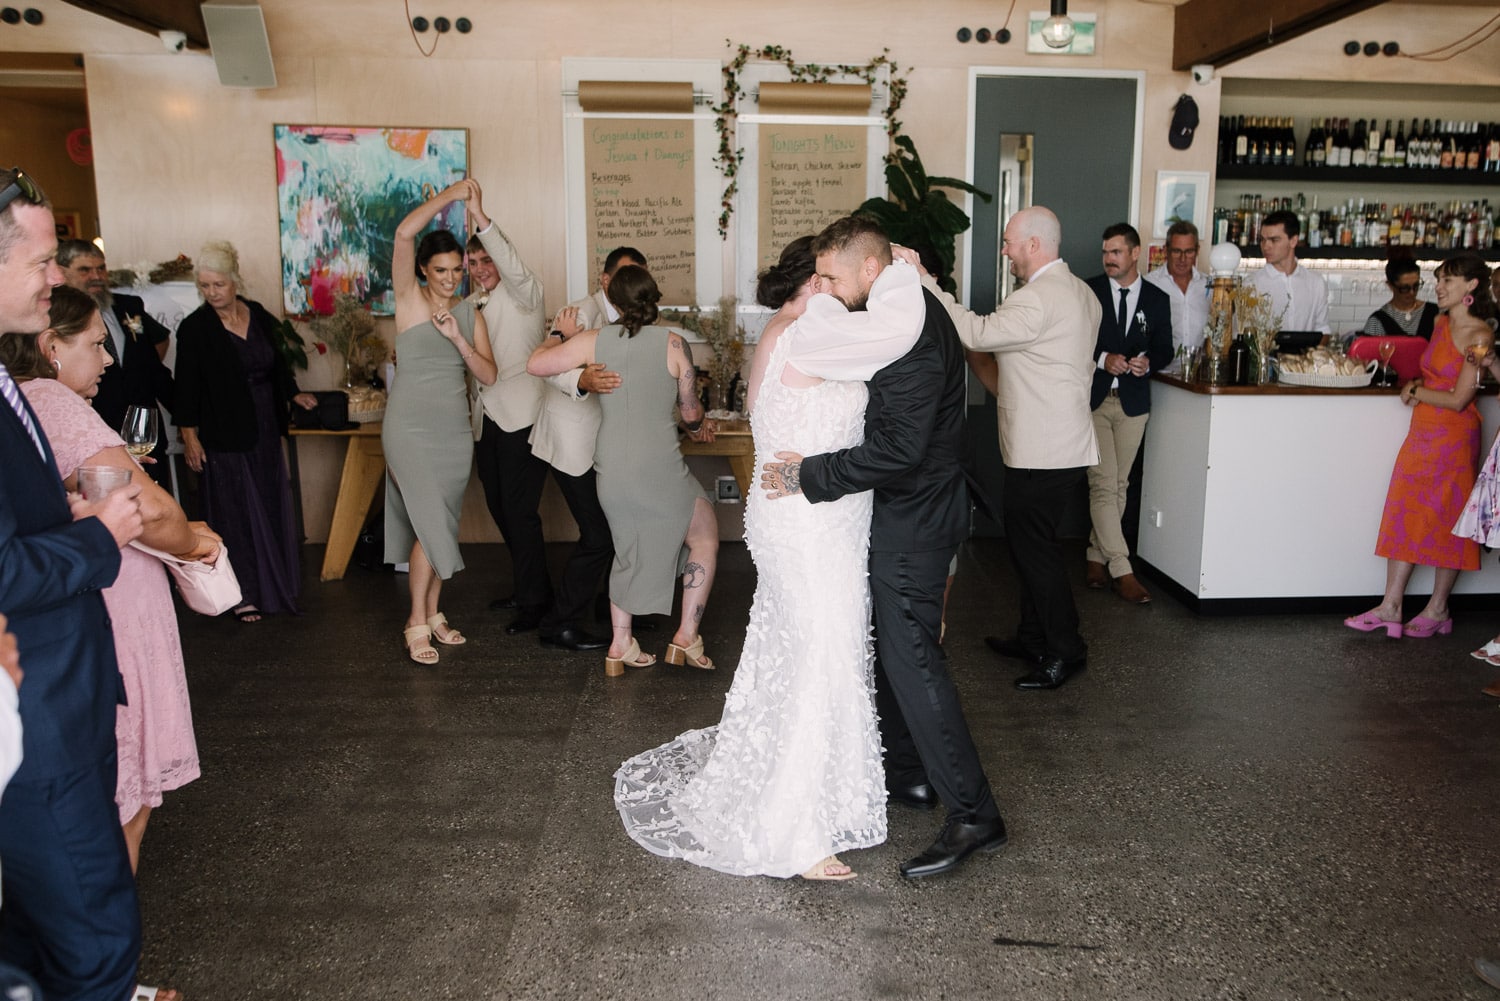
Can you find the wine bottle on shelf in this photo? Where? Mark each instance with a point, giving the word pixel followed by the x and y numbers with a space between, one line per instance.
pixel 1309 151
pixel 1398 158
pixel 1358 145
pixel 1314 228
pixel 1476 148
pixel 1429 146
pixel 1445 159
pixel 1492 149
pixel 1373 147
pixel 1241 142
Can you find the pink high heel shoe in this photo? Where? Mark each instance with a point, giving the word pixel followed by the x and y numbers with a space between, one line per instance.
pixel 1422 627
pixel 1370 621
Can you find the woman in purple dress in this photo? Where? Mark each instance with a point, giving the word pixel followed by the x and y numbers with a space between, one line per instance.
pixel 233 392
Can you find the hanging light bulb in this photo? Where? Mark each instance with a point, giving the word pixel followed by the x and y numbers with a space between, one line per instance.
pixel 1057 30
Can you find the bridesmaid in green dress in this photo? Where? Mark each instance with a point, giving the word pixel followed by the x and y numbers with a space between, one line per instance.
pixel 427 440
pixel 660 520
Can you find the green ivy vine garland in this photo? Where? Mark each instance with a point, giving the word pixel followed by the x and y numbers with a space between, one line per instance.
pixel 730 156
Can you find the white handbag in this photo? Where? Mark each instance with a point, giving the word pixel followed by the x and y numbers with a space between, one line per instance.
pixel 206 588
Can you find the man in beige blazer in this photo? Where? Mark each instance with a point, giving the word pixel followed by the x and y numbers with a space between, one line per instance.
pixel 563 437
pixel 1037 357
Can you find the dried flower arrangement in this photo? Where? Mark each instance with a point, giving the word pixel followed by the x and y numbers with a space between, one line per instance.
pixel 725 335
pixel 350 330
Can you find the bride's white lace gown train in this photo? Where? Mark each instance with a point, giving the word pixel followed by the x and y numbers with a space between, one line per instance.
pixel 792 772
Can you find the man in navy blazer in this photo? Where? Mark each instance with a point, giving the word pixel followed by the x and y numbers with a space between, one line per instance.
pixel 69 916
pixel 137 343
pixel 1135 339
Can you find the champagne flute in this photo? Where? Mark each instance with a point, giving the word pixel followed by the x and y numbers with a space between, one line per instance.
pixel 1386 350
pixel 1480 350
pixel 140 430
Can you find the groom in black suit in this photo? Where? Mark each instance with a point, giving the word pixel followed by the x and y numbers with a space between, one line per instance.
pixel 910 458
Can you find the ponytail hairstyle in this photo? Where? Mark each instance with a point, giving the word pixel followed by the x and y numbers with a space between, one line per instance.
pixel 779 283
pixel 633 292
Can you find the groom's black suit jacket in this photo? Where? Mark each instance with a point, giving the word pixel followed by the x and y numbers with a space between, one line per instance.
pixel 913 449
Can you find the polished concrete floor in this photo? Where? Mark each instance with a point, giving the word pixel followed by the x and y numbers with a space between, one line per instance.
pixel 1252 807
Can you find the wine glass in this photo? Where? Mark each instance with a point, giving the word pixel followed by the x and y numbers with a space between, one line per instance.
pixel 140 430
pixel 1480 350
pixel 1386 351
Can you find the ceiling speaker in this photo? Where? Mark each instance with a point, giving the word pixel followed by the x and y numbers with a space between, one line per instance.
pixel 241 50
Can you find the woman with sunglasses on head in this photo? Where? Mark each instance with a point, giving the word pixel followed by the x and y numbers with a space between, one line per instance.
pixel 1404 315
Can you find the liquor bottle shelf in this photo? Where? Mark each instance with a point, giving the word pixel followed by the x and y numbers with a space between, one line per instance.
pixel 1307 253
pixel 1367 175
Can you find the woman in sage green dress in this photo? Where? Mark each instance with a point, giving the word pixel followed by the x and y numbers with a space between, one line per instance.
pixel 660 520
pixel 428 444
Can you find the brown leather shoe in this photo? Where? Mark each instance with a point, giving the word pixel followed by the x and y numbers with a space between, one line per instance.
pixel 1097 577
pixel 1131 590
pixel 1493 690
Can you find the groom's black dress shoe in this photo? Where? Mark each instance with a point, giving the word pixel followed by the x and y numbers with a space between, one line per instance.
pixel 504 604
pixel 528 617
pixel 956 842
pixel 1052 672
pixel 574 639
pixel 916 794
pixel 1012 648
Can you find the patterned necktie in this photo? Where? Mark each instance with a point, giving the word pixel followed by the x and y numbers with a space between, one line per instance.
pixel 12 394
pixel 1124 295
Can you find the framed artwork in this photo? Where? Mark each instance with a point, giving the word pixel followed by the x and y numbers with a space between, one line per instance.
pixel 341 190
pixel 1181 196
pixel 69 224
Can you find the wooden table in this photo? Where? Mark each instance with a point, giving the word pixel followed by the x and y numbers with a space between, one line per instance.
pixel 733 443
pixel 364 465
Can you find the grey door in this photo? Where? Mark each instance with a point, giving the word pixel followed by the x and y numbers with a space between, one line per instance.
pixel 1084 141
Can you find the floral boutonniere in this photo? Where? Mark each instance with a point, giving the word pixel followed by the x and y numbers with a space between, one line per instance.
pixel 135 326
pixel 1140 320
pixel 482 300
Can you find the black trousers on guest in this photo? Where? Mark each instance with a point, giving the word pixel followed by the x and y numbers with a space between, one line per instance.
pixel 922 724
pixel 513 479
pixel 1034 500
pixel 590 559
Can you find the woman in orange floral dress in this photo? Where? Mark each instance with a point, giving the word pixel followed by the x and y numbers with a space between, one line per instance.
pixel 1436 466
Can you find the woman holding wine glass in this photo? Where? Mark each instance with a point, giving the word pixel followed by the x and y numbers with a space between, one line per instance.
pixel 1435 469
pixel 59 372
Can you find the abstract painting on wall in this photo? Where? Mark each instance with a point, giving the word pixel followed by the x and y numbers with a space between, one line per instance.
pixel 341 192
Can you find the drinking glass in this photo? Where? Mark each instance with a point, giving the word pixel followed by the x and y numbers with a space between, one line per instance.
pixel 98 482
pixel 1386 350
pixel 1480 350
pixel 140 430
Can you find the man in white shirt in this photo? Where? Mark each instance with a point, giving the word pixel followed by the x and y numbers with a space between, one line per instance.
pixel 1185 285
pixel 1298 296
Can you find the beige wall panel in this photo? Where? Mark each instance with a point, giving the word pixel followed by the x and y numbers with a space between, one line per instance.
pixel 35 138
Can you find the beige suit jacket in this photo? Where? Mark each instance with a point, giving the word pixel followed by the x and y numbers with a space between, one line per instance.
pixel 1043 339
pixel 568 423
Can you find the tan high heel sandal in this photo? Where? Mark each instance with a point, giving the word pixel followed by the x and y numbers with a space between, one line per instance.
pixel 820 871
pixel 419 645
pixel 691 656
pixel 440 621
pixel 615 666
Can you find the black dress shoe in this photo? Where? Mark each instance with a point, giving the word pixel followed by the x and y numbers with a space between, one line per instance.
pixel 1053 672
pixel 504 604
pixel 918 794
pixel 956 842
pixel 1012 648
pixel 527 619
pixel 574 639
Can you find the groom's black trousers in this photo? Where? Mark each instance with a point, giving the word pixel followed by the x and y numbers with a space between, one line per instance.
pixel 921 723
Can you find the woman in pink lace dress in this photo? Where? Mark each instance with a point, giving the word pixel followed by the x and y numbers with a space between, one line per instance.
pixel 58 370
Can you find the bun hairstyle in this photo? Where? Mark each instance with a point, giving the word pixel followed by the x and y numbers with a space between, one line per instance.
pixel 72 312
pixel 634 293
pixel 1471 267
pixel 779 283
pixel 220 257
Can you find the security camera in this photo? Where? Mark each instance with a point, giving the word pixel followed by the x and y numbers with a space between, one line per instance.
pixel 1203 73
pixel 174 41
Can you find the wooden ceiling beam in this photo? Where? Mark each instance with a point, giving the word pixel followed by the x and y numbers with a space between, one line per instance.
pixel 1222 31
pixel 152 16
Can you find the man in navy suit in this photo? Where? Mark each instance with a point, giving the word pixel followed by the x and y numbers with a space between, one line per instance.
pixel 1135 339
pixel 69 916
pixel 137 343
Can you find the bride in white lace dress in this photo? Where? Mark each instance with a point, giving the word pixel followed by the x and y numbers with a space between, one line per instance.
pixel 792 772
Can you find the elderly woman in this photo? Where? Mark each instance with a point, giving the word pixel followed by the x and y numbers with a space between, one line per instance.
pixel 429 448
pixel 233 391
pixel 1404 315
pixel 1435 469
pixel 654 506
pixel 59 371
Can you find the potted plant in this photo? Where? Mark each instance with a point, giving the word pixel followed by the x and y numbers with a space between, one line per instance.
pixel 917 214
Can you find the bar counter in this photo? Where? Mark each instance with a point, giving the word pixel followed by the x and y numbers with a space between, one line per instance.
pixel 1271 496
